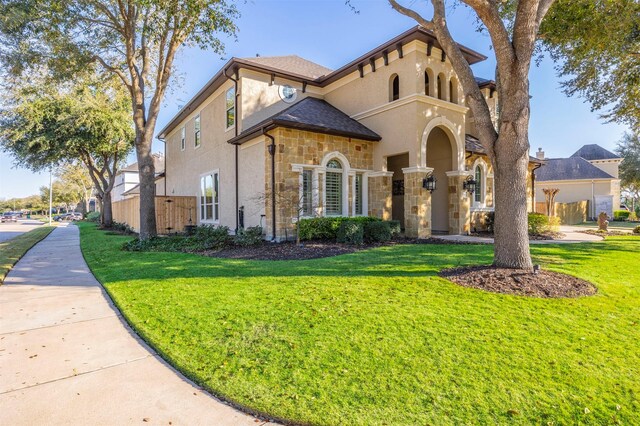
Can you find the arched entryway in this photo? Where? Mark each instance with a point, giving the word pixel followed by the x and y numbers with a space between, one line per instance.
pixel 440 158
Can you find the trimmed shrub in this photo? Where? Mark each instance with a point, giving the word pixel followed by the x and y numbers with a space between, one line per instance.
pixel 249 237
pixel 538 223
pixel 394 227
pixel 351 232
pixel 93 216
pixel 326 228
pixel 636 230
pixel 554 224
pixel 208 237
pixel 377 232
pixel 490 220
pixel 633 217
pixel 621 215
pixel 204 238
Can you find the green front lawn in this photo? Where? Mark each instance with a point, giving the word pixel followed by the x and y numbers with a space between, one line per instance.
pixel 12 250
pixel 376 337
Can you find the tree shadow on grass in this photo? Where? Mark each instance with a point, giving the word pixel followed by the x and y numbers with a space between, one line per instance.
pixel 415 260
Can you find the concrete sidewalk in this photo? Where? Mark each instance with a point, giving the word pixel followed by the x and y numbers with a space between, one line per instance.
pixel 572 235
pixel 67 357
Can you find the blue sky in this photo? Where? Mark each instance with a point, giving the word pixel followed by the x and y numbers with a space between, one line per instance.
pixel 329 33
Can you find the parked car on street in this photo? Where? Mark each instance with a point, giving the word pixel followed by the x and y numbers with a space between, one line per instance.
pixel 9 217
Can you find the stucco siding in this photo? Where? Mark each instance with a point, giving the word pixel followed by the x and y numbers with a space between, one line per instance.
pixel 251 170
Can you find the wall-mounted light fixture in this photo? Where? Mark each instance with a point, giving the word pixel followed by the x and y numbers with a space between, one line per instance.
pixel 429 183
pixel 469 185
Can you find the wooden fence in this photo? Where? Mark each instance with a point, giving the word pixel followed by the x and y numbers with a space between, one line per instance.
pixel 569 213
pixel 172 213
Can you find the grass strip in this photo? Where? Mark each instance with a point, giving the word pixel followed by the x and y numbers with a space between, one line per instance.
pixel 12 250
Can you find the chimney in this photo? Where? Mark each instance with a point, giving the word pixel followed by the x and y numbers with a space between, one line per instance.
pixel 540 154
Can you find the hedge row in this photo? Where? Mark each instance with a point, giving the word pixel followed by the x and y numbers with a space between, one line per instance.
pixel 351 230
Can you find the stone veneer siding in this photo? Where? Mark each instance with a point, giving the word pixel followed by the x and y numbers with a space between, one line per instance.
pixel 309 148
pixel 417 206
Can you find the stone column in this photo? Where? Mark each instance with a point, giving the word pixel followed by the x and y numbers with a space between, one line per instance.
pixel 379 186
pixel 459 203
pixel 417 203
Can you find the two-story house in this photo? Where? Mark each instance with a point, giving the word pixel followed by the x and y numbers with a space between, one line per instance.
pixel 386 135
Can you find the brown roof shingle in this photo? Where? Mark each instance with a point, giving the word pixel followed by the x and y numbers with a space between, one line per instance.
pixel 293 64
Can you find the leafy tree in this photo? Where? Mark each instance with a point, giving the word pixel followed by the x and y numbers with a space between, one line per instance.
pixel 597 46
pixel 44 126
pixel 135 40
pixel 76 177
pixel 513 28
pixel 629 150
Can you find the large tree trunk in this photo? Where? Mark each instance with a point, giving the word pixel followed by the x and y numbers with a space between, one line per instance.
pixel 107 211
pixel 146 171
pixel 511 227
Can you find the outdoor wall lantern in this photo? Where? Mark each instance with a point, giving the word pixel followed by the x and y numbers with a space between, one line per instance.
pixel 469 185
pixel 429 183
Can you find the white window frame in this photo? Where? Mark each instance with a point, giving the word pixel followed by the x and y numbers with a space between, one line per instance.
pixel 215 201
pixel 226 109
pixel 197 132
pixel 183 138
pixel 483 185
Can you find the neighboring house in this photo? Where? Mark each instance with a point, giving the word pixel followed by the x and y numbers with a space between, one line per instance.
pixel 127 180
pixel 357 141
pixel 590 174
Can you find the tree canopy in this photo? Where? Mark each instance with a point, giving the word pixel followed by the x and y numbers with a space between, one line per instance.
pixel 133 40
pixel 596 45
pixel 629 150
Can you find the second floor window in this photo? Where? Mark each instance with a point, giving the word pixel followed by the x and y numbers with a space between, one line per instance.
pixel 231 107
pixel 197 131
pixel 394 92
pixel 183 136
pixel 426 84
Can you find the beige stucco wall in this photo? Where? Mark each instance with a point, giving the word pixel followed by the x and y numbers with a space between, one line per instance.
pixel 184 168
pixel 608 166
pixel 251 170
pixel 259 99
pixel 578 190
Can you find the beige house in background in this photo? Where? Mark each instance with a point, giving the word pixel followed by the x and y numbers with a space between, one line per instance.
pixel 127 182
pixel 590 174
pixel 359 140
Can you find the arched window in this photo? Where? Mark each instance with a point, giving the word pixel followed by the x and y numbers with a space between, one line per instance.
pixel 394 89
pixel 426 84
pixel 479 185
pixel 333 188
pixel 440 87
pixel 453 90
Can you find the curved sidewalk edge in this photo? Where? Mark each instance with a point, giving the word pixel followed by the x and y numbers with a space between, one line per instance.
pixel 68 357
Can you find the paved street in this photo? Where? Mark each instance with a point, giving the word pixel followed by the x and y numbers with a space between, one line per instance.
pixel 10 230
pixel 67 357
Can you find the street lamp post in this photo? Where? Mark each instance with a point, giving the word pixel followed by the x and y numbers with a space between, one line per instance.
pixel 50 194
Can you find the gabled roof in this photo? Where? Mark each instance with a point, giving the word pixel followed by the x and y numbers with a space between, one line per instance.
pixel 292 63
pixel 483 82
pixel 158 164
pixel 573 168
pixel 303 71
pixel 594 152
pixel 472 144
pixel 314 115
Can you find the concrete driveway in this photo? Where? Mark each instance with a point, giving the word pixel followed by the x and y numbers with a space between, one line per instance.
pixel 67 356
pixel 9 230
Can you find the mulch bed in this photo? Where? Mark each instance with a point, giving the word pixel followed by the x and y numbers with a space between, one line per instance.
pixel 607 233
pixel 520 282
pixel 309 249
